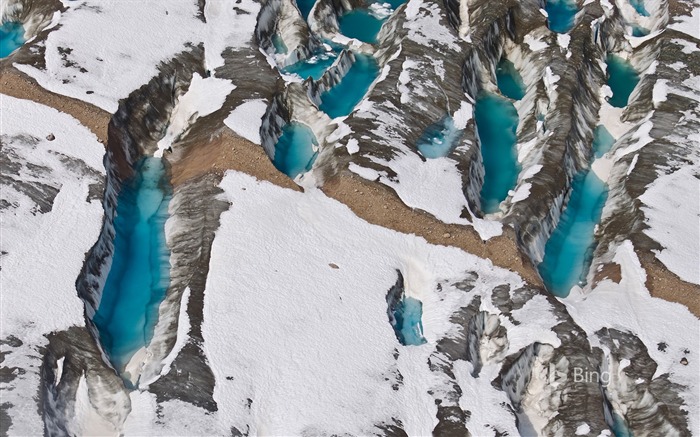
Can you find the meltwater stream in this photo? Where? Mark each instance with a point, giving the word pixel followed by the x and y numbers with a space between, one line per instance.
pixel 139 276
pixel 11 38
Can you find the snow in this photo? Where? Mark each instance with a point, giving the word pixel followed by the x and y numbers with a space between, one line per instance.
pixel 535 44
pixel 628 306
pixel 311 346
pixel 246 119
pixel 521 193
pixel 433 185
pixel 659 92
pixel 115 47
pixel 583 429
pixel 689 24
pixel 632 164
pixel 672 210
pixel 54 241
pixel 364 172
pixel 43 252
pixel 462 116
pixel 353 146
pixel 203 97
pixel 563 40
pixel 642 137
pixel 183 329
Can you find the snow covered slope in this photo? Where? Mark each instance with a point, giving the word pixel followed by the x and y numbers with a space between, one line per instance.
pixel 52 179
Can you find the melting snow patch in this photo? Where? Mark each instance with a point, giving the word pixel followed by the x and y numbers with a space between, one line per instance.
pixel 672 209
pixel 659 92
pixel 535 44
pixel 353 146
pixel 367 173
pixel 246 119
pixel 203 97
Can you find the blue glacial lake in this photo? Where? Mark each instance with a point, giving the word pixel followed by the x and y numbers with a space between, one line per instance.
pixel 11 38
pixel 569 250
pixel 313 67
pixel 360 24
pixel 561 15
pixel 405 317
pixel 342 98
pixel 305 7
pixel 509 81
pixel 139 277
pixel 622 79
pixel 294 151
pixel 496 124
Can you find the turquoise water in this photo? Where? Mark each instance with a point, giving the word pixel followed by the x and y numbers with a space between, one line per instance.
pixel 294 153
pixel 509 80
pixel 139 276
pixel 439 138
pixel 360 24
pixel 278 42
pixel 568 253
pixel 11 38
pixel 496 123
pixel 561 15
pixel 602 141
pixel 305 7
pixel 406 321
pixel 639 31
pixel 313 67
pixel 622 79
pixel 638 6
pixel 342 98
pixel 619 427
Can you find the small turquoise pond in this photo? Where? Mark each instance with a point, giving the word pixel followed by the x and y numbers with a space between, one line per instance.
pixel 360 24
pixel 342 98
pixel 496 124
pixel 305 7
pixel 11 38
pixel 638 6
pixel 639 31
pixel 622 79
pixel 294 151
pixel 405 317
pixel 602 141
pixel 439 139
pixel 278 42
pixel 139 276
pixel 561 15
pixel 569 251
pixel 313 67
pixel 509 80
